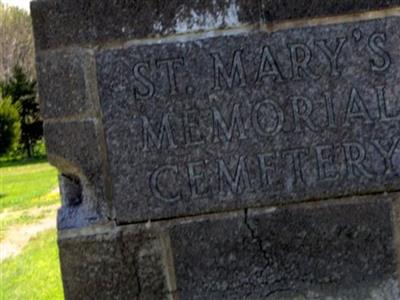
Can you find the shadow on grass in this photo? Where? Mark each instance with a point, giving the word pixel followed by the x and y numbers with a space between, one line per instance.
pixel 23 162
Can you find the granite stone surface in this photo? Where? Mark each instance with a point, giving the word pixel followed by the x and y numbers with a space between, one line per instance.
pixel 335 251
pixel 278 10
pixel 339 249
pixel 115 265
pixel 74 148
pixel 251 119
pixel 60 23
pixel 63 84
pixel 218 150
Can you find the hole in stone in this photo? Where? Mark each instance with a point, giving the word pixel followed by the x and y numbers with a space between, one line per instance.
pixel 71 190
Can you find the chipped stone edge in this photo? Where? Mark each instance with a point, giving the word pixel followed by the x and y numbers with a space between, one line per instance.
pixel 164 224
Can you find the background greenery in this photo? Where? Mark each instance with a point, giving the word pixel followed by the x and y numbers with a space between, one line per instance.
pixel 28 183
pixel 10 127
pixel 18 83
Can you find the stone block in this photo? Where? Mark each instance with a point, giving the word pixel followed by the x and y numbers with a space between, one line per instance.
pixel 339 250
pixel 218 150
pixel 278 10
pixel 74 148
pixel 64 84
pixel 114 265
pixel 252 119
pixel 59 23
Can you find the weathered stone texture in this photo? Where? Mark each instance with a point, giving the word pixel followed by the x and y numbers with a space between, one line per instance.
pixel 198 162
pixel 278 10
pixel 115 265
pixel 342 249
pixel 63 78
pixel 252 119
pixel 74 148
pixel 335 251
pixel 62 23
pixel 396 222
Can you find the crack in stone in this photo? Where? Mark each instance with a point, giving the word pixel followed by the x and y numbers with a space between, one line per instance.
pixel 265 255
pixel 135 263
pixel 254 236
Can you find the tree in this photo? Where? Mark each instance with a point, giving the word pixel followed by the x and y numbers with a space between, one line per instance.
pixel 9 126
pixel 22 92
pixel 16 41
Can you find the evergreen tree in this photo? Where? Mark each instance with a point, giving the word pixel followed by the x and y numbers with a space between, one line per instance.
pixel 22 92
pixel 9 126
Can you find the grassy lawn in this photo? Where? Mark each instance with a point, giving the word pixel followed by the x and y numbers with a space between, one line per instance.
pixel 25 185
pixel 35 273
pixel 27 196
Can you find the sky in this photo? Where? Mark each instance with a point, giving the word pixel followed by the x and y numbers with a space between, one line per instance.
pixel 24 4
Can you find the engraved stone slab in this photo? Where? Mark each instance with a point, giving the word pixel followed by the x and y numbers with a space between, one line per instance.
pixel 207 124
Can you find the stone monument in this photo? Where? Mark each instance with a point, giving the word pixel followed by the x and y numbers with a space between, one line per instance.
pixel 224 149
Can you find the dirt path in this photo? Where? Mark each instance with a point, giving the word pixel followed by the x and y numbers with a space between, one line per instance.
pixel 17 237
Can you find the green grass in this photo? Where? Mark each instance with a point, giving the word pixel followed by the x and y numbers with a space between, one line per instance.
pixel 35 273
pixel 25 184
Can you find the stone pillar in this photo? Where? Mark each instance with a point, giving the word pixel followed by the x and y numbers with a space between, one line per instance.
pixel 224 149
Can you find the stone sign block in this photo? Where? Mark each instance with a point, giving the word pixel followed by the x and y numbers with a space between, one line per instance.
pixel 224 149
pixel 251 119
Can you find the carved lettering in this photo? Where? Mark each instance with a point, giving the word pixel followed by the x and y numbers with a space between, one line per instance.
pixel 220 126
pixel 239 182
pixel 330 111
pixel 382 105
pixel 265 162
pixel 296 157
pixel 302 110
pixel 355 156
pixel 252 118
pixel 300 58
pixel 193 136
pixel 261 121
pixel 332 55
pixel 236 73
pixel 171 65
pixel 326 162
pixel 272 70
pixel 356 109
pixel 163 137
pixel 387 154
pixel 382 61
pixel 196 178
pixel 147 87
pixel 165 196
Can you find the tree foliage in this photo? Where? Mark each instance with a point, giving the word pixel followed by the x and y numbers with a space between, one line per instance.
pixel 9 125
pixel 16 41
pixel 22 92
